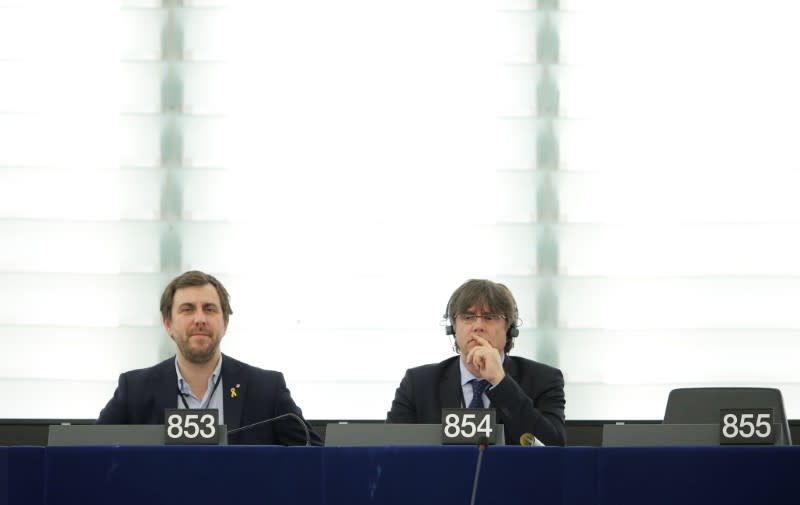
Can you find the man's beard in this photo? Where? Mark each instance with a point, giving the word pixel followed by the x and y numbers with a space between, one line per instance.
pixel 196 356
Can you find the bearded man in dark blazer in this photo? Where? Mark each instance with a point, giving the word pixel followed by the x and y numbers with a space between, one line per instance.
pixel 195 309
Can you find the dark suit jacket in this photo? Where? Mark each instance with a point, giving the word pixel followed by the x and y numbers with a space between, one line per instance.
pixel 142 395
pixel 530 399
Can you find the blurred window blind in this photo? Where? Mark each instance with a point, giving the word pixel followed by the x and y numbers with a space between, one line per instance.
pixel 677 224
pixel 80 223
pixel 625 167
pixel 342 167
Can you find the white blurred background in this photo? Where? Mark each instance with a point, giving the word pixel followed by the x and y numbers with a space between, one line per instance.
pixel 627 168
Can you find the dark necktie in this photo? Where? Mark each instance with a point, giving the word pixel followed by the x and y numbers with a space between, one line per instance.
pixel 478 387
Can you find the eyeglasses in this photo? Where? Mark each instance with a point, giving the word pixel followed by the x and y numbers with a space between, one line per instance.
pixel 471 318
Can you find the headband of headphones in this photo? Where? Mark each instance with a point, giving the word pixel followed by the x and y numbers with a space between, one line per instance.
pixel 511 332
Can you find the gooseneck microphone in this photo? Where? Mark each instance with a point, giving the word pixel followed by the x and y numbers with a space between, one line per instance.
pixel 282 416
pixel 482 443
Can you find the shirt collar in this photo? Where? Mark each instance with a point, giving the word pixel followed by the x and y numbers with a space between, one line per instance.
pixel 211 380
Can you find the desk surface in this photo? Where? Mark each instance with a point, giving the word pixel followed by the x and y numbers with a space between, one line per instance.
pixel 402 475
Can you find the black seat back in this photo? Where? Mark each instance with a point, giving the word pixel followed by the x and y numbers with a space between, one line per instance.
pixel 702 406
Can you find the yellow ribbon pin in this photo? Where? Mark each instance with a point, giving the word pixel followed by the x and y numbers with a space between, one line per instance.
pixel 233 392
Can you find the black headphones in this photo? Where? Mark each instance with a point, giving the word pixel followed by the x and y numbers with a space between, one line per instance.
pixel 511 333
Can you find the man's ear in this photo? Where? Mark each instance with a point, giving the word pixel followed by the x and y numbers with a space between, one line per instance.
pixel 168 327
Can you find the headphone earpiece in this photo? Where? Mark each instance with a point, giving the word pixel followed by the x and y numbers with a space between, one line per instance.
pixel 512 332
pixel 448 326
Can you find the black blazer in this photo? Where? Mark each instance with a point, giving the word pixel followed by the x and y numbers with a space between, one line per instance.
pixel 530 399
pixel 142 395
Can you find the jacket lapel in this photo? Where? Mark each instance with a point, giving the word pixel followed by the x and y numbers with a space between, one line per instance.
pixel 235 389
pixel 450 394
pixel 166 396
pixel 512 370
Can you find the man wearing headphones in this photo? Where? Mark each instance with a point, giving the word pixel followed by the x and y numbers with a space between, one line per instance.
pixel 528 396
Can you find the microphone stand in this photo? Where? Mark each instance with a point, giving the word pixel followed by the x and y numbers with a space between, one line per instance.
pixel 288 414
pixel 482 443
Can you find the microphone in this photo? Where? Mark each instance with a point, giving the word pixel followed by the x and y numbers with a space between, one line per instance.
pixel 282 416
pixel 483 442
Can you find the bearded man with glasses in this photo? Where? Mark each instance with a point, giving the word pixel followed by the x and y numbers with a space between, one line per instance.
pixel 528 396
